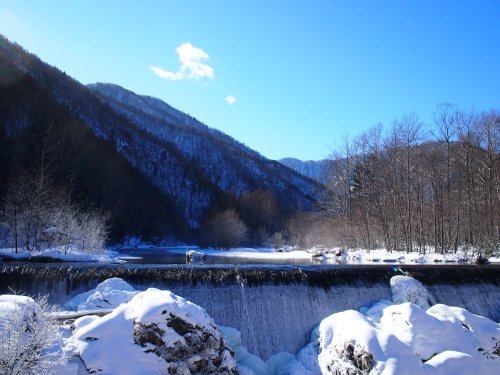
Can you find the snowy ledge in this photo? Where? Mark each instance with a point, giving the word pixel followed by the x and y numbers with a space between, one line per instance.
pixel 58 255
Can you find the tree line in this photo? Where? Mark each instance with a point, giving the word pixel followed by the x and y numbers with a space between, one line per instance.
pixel 415 190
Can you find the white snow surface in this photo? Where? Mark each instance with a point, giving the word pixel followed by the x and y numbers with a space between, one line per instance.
pixel 107 295
pixel 253 253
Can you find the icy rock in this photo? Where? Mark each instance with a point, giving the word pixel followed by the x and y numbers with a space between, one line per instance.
pixel 356 355
pixel 107 295
pixel 317 254
pixel 156 332
pixel 408 289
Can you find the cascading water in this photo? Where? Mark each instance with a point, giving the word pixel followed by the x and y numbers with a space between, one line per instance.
pixel 275 308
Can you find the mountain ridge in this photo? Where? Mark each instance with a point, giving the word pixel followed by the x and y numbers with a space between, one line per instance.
pixel 314 169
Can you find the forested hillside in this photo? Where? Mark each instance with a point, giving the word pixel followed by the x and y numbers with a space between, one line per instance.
pixel 206 154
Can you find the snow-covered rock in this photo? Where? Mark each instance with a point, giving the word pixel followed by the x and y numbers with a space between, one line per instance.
pixel 107 295
pixel 157 332
pixel 408 289
pixel 351 344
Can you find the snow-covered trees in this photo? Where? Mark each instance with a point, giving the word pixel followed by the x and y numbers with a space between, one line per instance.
pixel 38 216
pixel 28 335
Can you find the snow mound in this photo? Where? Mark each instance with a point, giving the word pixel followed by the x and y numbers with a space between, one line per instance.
pixel 107 295
pixel 408 289
pixel 157 332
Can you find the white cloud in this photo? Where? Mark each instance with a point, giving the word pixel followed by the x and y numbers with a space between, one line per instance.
pixel 192 65
pixel 230 99
pixel 160 72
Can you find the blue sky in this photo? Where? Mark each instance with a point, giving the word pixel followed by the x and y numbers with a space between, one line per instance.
pixel 287 78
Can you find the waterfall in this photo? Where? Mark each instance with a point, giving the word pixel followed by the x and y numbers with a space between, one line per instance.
pixel 275 308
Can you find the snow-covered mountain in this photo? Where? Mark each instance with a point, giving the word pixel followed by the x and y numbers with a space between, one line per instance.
pixel 201 153
pixel 315 169
pixel 195 167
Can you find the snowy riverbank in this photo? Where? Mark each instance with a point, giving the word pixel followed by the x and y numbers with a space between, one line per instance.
pixel 351 256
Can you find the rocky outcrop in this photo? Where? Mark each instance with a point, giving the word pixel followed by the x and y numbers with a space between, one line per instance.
pixel 360 361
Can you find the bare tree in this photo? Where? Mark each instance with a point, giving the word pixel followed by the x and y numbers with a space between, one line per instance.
pixel 260 212
pixel 92 230
pixel 298 227
pixel 225 229
pixel 27 332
